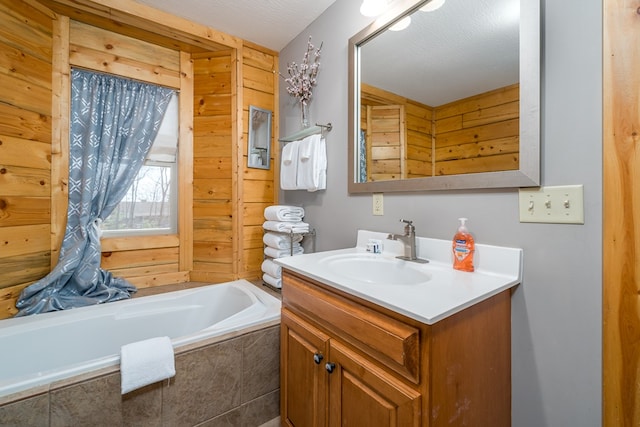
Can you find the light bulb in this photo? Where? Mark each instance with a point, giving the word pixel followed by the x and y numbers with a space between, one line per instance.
pixel 401 24
pixel 373 7
pixel 432 5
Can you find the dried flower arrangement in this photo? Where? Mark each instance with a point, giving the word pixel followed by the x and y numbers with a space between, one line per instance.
pixel 302 77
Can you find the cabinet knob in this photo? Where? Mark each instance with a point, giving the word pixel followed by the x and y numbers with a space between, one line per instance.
pixel 330 367
pixel 318 358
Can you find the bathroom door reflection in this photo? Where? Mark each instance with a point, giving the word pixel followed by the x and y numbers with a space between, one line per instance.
pixel 259 151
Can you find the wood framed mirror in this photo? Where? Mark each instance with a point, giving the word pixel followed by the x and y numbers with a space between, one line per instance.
pixel 450 102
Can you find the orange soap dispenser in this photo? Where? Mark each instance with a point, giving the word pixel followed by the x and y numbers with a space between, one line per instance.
pixel 463 248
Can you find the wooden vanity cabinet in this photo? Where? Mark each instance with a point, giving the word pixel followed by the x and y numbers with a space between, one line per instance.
pixel 304 349
pixel 324 380
pixel 348 362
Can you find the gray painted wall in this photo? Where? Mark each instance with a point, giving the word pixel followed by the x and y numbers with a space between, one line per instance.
pixel 557 339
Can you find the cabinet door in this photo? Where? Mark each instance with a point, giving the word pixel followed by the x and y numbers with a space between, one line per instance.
pixel 362 394
pixel 303 385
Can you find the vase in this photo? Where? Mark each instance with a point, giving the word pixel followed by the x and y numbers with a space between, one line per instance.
pixel 304 118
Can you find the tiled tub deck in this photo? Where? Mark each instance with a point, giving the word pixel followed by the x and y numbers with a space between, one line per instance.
pixel 231 380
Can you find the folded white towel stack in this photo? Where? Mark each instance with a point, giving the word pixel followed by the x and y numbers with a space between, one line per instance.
pixel 280 241
pixel 283 236
pixel 281 253
pixel 271 268
pixel 276 282
pixel 146 362
pixel 286 227
pixel 284 213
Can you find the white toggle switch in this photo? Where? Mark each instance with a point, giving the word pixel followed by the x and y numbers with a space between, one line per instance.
pixel 558 204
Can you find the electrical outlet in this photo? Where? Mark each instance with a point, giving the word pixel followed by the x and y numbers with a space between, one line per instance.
pixel 378 204
pixel 559 204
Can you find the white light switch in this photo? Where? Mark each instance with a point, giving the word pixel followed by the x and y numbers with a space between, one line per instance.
pixel 558 204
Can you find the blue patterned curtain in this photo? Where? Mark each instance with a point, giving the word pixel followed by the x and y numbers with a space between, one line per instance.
pixel 113 124
pixel 362 157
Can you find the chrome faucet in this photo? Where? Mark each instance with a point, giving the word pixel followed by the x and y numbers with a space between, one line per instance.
pixel 409 240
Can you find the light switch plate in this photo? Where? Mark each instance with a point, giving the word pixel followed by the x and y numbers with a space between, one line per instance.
pixel 378 204
pixel 558 204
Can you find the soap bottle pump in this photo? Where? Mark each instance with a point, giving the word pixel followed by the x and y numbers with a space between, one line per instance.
pixel 463 248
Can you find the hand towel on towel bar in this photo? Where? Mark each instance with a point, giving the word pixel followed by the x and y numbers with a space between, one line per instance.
pixel 286 227
pixel 281 253
pixel 312 164
pixel 280 241
pixel 271 268
pixel 146 362
pixel 289 166
pixel 284 213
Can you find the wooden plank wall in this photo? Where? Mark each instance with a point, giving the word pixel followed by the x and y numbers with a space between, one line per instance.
pixel 257 187
pixel 26 38
pixel 213 166
pixel 621 210
pixel 37 48
pixel 385 140
pixel 417 128
pixel 229 197
pixel 479 133
pixel 419 132
pixel 154 260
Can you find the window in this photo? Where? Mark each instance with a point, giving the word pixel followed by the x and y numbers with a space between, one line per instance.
pixel 151 204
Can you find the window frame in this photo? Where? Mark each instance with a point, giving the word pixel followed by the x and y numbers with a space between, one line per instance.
pixel 173 208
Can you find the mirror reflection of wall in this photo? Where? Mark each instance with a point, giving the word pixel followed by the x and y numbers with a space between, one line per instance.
pixel 259 148
pixel 449 104
pixel 450 101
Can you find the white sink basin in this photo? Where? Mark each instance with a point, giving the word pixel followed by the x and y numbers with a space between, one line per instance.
pixel 374 269
pixel 426 293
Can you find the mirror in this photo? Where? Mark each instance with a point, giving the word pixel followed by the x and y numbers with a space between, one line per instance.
pixel 450 102
pixel 259 148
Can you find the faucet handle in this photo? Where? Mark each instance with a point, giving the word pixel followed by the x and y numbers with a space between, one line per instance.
pixel 409 227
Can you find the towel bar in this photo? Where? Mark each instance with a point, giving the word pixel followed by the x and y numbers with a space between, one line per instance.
pixel 318 128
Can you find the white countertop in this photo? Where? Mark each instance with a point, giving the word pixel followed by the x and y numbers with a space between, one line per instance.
pixel 447 292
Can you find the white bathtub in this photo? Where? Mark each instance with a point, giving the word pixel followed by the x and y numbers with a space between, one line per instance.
pixel 47 347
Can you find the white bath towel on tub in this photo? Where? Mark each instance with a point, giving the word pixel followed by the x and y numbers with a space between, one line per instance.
pixel 146 362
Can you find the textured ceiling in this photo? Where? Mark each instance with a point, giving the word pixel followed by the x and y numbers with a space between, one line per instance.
pixel 269 23
pixel 462 49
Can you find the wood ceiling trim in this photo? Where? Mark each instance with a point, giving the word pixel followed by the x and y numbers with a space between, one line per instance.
pixel 145 23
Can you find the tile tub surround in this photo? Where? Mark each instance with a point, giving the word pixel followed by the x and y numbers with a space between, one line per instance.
pixel 188 317
pixel 231 382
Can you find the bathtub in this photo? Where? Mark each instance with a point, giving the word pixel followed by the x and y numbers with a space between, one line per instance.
pixel 45 348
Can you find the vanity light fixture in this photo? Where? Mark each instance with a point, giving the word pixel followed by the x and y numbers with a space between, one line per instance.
pixel 373 7
pixel 401 24
pixel 432 5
